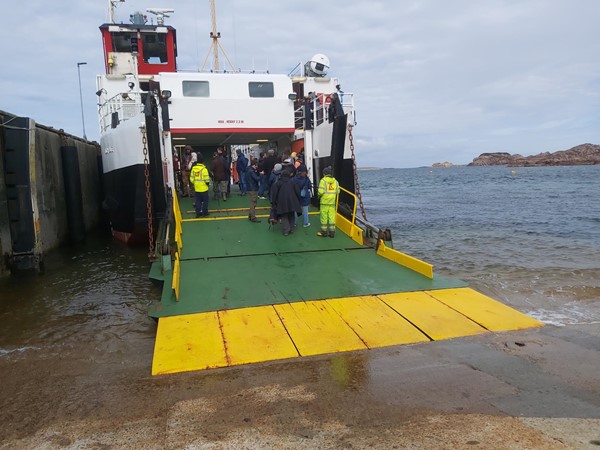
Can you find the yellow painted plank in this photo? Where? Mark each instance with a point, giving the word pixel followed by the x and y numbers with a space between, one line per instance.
pixel 484 310
pixel 255 334
pixel 188 342
pixel 316 328
pixel 376 323
pixel 405 260
pixel 350 229
pixel 434 318
pixel 176 276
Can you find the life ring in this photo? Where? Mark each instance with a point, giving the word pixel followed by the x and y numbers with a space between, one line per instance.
pixel 327 100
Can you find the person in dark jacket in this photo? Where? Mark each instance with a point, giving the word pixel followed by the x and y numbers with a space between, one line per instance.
pixel 267 167
pixel 303 182
pixel 252 182
pixel 220 172
pixel 286 200
pixel 273 177
pixel 241 167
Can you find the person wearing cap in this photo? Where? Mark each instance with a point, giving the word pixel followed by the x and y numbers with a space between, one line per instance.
pixel 303 182
pixel 275 174
pixel 201 180
pixel 289 163
pixel 329 190
pixel 185 172
pixel 252 181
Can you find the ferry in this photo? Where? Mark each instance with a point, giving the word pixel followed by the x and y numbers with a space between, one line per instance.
pixel 235 291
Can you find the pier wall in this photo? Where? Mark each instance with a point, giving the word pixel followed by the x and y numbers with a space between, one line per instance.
pixel 50 190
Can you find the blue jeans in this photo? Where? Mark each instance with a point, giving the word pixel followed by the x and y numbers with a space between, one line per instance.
pixel 262 185
pixel 305 215
pixel 201 199
pixel 242 180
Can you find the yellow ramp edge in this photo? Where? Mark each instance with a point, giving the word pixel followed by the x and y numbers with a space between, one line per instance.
pixel 189 342
pixel 487 312
pixel 431 316
pixel 266 333
pixel 255 334
pixel 405 260
pixel 376 323
pixel 316 328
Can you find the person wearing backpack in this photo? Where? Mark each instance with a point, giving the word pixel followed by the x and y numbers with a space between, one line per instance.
pixel 303 182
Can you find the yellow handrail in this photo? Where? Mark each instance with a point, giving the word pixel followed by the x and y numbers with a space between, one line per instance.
pixel 175 281
pixel 353 208
pixel 178 218
pixel 349 227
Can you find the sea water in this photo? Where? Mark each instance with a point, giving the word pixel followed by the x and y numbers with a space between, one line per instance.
pixel 529 237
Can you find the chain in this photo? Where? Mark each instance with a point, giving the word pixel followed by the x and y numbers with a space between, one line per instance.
pixel 148 197
pixel 356 183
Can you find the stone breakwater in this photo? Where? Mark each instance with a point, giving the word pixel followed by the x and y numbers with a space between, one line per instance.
pixel 585 154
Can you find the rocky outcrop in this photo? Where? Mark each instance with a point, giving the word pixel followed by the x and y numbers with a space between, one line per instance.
pixel 585 154
pixel 443 164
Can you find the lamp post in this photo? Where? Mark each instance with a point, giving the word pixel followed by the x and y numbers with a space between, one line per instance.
pixel 79 64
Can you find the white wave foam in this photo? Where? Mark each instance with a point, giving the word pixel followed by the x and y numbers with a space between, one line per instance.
pixel 571 313
pixel 9 351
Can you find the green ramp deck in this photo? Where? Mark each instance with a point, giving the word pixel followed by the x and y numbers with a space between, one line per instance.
pixel 249 294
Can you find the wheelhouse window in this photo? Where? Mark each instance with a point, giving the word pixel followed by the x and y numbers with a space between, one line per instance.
pixel 196 89
pixel 155 48
pixel 121 42
pixel 261 89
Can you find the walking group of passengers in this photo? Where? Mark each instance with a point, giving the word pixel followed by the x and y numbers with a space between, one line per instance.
pixel 284 177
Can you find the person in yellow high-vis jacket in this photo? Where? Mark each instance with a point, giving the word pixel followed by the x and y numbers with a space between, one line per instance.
pixel 200 178
pixel 329 189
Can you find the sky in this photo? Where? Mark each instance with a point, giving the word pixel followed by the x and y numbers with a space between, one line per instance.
pixel 433 80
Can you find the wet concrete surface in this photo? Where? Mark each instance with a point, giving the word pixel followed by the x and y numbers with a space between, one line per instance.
pixel 533 389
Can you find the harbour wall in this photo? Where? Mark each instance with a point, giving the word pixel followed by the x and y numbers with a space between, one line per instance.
pixel 50 190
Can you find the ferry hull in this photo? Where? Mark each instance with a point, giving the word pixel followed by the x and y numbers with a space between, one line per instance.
pixel 125 201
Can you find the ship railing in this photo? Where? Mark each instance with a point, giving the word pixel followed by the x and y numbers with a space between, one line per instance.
pixel 119 108
pixel 297 71
pixel 242 71
pixel 320 110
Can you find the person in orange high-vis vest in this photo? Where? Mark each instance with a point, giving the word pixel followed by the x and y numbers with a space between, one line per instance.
pixel 329 190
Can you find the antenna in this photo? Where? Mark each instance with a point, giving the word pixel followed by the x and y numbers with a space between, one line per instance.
pixel 160 13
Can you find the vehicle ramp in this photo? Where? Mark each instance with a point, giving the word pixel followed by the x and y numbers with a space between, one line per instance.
pixel 241 292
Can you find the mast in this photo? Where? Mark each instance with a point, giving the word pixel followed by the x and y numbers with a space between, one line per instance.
pixel 215 46
pixel 112 5
pixel 214 35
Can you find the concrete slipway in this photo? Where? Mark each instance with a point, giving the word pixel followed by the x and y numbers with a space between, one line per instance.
pixel 87 384
pixel 528 389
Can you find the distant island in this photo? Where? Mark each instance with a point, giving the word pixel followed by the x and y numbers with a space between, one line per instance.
pixel 581 155
pixel 443 164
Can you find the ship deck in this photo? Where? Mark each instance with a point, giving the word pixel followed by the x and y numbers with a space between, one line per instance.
pixel 246 293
